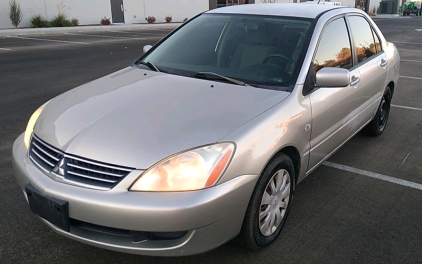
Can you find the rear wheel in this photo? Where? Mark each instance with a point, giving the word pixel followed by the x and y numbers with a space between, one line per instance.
pixel 269 205
pixel 378 124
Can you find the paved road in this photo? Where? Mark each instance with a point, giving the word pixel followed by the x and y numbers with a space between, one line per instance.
pixel 338 216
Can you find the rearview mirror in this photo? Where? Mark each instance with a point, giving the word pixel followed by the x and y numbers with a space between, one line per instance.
pixel 332 77
pixel 147 48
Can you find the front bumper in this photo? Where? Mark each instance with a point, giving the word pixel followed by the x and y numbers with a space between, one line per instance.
pixel 211 216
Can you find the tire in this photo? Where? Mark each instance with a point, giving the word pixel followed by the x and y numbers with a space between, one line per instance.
pixel 379 122
pixel 272 199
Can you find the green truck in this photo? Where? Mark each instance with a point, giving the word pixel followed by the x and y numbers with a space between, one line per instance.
pixel 412 7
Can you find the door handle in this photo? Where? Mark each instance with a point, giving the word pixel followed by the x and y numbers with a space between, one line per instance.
pixel 121 7
pixel 354 81
pixel 383 63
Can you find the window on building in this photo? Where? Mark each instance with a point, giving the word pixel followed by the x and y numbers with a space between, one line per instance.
pixel 222 3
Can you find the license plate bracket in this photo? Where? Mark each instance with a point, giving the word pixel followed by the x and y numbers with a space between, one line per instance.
pixel 53 210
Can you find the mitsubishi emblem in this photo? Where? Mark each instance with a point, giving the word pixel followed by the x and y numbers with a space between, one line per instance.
pixel 59 169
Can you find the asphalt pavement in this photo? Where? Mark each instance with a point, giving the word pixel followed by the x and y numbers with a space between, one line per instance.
pixel 363 206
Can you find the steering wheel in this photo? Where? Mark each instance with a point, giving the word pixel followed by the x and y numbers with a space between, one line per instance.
pixel 277 56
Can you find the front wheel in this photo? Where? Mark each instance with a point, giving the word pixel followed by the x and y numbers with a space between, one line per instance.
pixel 378 124
pixel 269 205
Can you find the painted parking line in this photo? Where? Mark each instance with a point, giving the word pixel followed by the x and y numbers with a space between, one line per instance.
pixel 407 107
pixel 147 33
pixel 51 40
pixel 374 175
pixel 99 36
pixel 409 77
pixel 131 32
pixel 416 43
pixel 411 61
pixel 4 49
pixel 407 49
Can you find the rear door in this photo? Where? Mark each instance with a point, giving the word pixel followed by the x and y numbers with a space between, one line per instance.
pixel 335 111
pixel 372 63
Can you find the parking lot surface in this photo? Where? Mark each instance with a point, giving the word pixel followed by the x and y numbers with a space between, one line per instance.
pixel 362 206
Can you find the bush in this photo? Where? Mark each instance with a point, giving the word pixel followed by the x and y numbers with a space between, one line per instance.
pixel 75 21
pixel 105 21
pixel 15 13
pixel 61 21
pixel 150 19
pixel 37 21
pixel 168 19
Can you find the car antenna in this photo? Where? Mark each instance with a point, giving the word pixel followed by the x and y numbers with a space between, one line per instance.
pixel 318 1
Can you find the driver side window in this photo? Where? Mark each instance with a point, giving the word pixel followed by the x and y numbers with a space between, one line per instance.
pixel 334 47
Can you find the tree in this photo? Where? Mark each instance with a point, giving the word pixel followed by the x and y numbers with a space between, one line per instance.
pixel 15 13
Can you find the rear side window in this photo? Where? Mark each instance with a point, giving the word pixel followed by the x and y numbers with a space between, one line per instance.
pixel 334 47
pixel 362 38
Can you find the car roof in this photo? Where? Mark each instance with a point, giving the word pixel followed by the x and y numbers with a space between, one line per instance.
pixel 281 9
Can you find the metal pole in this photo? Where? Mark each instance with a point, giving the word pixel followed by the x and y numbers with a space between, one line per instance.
pixel 144 8
pixel 45 8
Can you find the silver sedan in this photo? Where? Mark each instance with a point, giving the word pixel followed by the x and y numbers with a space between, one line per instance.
pixel 204 138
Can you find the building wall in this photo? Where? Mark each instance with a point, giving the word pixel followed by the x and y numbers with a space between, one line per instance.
pixel 178 9
pixel 87 11
pixel 279 1
pixel 91 11
pixel 374 3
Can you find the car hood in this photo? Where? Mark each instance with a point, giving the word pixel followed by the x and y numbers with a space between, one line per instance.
pixel 136 117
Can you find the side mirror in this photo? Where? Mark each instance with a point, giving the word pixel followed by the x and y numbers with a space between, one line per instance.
pixel 332 77
pixel 147 48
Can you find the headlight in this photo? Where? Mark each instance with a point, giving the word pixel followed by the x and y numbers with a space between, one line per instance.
pixel 192 170
pixel 31 124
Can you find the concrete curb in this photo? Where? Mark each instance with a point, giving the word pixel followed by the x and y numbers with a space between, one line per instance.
pixel 55 30
pixel 385 16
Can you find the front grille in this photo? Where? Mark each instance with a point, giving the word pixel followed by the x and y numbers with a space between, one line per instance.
pixel 93 173
pixel 45 156
pixel 75 169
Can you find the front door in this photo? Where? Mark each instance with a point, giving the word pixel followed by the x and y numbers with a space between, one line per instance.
pixel 335 111
pixel 117 12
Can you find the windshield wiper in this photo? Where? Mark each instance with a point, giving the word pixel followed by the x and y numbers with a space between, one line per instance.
pixel 149 65
pixel 218 77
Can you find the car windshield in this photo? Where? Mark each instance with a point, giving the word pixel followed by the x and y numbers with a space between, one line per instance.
pixel 261 51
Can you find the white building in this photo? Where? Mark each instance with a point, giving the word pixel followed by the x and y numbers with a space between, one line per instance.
pixel 90 12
